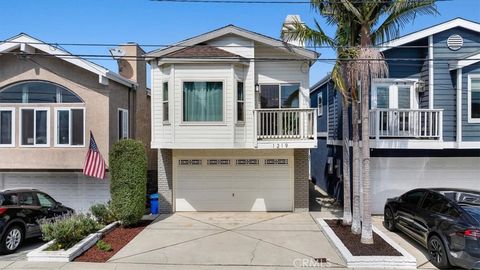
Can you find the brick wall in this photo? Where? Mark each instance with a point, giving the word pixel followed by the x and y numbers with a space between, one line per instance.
pixel 165 188
pixel 301 193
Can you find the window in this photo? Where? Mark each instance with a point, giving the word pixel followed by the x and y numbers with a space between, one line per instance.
pixel 165 102
pixel 34 127
pixel 474 98
pixel 203 101
pixel 394 95
pixel 26 198
pixel 274 96
pixel 45 200
pixel 240 102
pixel 413 197
pixel 122 124
pixel 37 92
pixel 438 204
pixel 70 127
pixel 7 127
pixel 320 104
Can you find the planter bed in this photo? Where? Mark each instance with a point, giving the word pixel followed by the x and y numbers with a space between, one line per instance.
pixel 41 254
pixel 117 238
pixel 384 253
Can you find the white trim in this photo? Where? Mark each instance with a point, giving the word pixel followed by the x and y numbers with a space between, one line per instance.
pixel 459 105
pixel 231 29
pixel 24 41
pixel 469 99
pixel 35 109
pixel 458 22
pixel 10 109
pixel 224 105
pixel 322 134
pixel 430 72
pixel 55 127
pixel 393 85
pixel 412 144
pixel 238 122
pixel 125 124
pixel 464 62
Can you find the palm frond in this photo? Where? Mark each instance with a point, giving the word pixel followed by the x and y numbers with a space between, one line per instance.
pixel 299 31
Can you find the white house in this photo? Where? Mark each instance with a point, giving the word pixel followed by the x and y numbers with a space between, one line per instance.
pixel 232 122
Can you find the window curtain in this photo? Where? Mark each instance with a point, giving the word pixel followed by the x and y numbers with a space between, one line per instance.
pixel 203 101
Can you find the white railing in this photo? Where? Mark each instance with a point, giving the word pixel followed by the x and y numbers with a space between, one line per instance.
pixel 406 123
pixel 288 124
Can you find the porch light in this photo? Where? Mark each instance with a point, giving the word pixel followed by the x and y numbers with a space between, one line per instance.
pixel 257 88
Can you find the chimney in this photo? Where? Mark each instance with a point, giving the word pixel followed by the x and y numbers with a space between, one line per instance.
pixel 288 26
pixel 130 63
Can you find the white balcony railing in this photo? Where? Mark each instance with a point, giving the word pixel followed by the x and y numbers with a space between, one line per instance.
pixel 406 123
pixel 285 124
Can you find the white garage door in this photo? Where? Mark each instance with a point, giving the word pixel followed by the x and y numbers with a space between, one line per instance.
pixel 71 189
pixel 233 184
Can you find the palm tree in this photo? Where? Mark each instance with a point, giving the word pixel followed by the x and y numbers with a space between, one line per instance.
pixel 367 23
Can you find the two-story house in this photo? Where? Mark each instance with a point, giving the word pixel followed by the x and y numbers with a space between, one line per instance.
pixel 232 122
pixel 424 118
pixel 50 100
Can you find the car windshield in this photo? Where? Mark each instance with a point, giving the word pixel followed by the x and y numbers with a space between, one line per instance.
pixel 463 197
pixel 474 211
pixel 8 199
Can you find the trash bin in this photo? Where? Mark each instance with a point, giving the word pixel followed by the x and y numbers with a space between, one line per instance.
pixel 154 204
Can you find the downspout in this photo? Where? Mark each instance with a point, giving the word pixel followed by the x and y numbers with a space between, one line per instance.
pixel 459 107
pixel 130 114
pixel 430 72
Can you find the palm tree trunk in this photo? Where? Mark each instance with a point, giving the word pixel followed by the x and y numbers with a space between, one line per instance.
pixel 356 224
pixel 367 234
pixel 347 201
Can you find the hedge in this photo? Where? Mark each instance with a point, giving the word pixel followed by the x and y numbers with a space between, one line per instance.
pixel 128 187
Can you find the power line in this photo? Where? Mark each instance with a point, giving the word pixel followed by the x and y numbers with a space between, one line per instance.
pixel 277 2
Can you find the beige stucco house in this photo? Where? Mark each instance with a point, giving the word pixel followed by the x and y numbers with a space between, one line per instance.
pixel 50 100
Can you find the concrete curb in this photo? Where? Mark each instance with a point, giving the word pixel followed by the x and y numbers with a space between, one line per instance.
pixel 41 255
pixel 406 261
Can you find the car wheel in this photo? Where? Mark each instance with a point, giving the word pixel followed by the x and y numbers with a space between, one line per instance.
pixel 12 239
pixel 438 253
pixel 388 219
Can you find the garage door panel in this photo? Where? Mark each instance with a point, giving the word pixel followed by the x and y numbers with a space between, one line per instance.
pixel 233 187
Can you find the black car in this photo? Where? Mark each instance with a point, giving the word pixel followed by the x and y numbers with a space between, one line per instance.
pixel 19 211
pixel 445 221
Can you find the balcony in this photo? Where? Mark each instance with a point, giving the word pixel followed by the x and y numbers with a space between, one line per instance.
pixel 285 128
pixel 406 124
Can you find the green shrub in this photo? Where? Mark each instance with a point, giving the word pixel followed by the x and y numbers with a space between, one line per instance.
pixel 128 168
pixel 104 246
pixel 68 230
pixel 102 213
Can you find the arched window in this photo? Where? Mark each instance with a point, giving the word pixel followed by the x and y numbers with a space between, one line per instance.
pixel 37 92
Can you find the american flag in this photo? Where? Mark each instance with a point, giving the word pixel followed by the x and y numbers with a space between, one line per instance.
pixel 94 163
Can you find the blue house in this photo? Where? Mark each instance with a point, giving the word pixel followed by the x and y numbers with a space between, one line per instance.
pixel 424 117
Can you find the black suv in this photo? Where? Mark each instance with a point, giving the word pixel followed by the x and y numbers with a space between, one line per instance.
pixel 19 211
pixel 445 221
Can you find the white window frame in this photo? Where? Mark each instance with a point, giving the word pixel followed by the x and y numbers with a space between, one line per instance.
pixel 35 109
pixel 469 99
pixel 166 101
pixel 125 124
pixel 239 101
pixel 69 109
pixel 224 105
pixel 320 104
pixel 10 109
pixel 300 101
pixel 394 84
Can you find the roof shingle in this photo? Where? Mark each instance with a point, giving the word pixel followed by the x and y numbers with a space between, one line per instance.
pixel 202 51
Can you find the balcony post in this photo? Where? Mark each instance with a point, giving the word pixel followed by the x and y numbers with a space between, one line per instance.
pixel 440 125
pixel 377 124
pixel 255 127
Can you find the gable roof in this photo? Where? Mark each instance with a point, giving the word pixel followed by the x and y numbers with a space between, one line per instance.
pixel 202 51
pixel 457 22
pixel 25 42
pixel 235 30
pixel 465 61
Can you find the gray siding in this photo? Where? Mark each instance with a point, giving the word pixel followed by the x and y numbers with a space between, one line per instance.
pixel 321 120
pixel 334 113
pixel 470 131
pixel 444 80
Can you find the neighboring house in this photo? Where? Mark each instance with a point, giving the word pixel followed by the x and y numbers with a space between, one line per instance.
pixel 50 100
pixel 424 118
pixel 232 122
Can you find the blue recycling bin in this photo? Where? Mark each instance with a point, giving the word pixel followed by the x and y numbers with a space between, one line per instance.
pixel 154 204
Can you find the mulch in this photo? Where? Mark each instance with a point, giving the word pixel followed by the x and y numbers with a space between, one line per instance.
pixel 118 238
pixel 352 241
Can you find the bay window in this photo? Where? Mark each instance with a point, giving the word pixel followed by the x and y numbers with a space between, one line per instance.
pixel 203 101
pixel 240 102
pixel 34 127
pixel 474 98
pixel 70 127
pixel 7 127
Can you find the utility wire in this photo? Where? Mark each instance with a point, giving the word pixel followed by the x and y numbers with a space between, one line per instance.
pixel 279 2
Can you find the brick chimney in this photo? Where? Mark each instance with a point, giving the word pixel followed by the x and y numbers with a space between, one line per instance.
pixel 288 25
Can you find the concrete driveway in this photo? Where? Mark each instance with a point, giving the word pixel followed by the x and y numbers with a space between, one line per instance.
pixel 231 239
